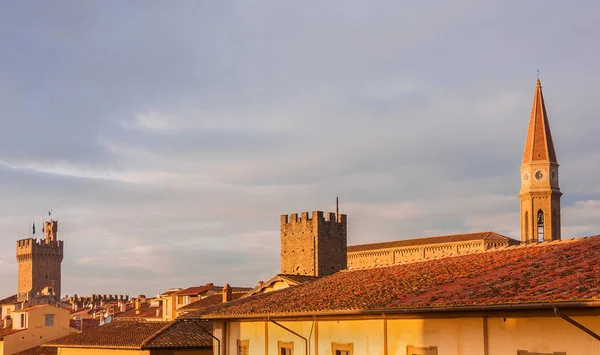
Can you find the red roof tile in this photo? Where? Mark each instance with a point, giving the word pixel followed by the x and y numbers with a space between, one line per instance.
pixel 550 272
pixel 7 331
pixel 211 300
pixel 126 334
pixel 196 290
pixel 38 350
pixel 432 240
pixel 117 334
pixel 146 311
pixel 9 300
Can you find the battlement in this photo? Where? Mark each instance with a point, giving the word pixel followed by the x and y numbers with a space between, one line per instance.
pixel 316 216
pixel 31 246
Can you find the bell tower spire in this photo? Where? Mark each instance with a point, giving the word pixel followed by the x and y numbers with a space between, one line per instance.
pixel 540 193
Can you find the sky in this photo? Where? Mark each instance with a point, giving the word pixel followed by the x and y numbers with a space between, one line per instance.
pixel 168 137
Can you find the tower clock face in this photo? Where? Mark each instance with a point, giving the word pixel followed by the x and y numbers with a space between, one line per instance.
pixel 540 175
pixel 525 177
pixel 553 175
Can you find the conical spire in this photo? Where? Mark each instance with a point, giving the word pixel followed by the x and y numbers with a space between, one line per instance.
pixel 539 145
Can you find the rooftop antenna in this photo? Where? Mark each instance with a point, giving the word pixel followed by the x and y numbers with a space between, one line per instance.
pixel 538 73
pixel 337 206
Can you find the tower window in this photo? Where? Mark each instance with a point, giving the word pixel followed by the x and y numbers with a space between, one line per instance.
pixel 540 226
pixel 527 226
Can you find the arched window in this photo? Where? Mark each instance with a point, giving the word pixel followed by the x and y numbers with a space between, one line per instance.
pixel 540 226
pixel 526 226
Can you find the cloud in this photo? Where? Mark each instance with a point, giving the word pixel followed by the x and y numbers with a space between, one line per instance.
pixel 169 139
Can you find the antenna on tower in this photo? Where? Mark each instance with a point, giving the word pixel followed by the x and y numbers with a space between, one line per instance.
pixel 337 206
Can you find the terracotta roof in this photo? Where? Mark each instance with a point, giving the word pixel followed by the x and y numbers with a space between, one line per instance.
pixel 126 334
pixel 543 273
pixel 181 334
pixel 145 312
pixel 38 350
pixel 298 278
pixel 8 300
pixel 87 323
pixel 118 334
pixel 7 331
pixel 539 144
pixel 32 307
pixel 432 240
pixel 195 290
pixel 211 300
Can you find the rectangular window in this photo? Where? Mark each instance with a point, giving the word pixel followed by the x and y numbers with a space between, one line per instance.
pixel 342 349
pixel 23 320
pixel 49 321
pixel 285 347
pixel 421 350
pixel 243 347
pixel 525 352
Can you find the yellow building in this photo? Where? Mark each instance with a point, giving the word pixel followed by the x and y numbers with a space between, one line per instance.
pixel 137 337
pixel 541 298
pixel 33 326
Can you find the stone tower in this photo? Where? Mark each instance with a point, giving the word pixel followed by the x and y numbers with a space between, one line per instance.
pixel 39 266
pixel 313 245
pixel 540 194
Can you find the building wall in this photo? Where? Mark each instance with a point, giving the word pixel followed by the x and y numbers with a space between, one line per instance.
pixel 400 255
pixel 313 245
pixel 37 333
pixel 84 351
pixel 451 336
pixel 182 352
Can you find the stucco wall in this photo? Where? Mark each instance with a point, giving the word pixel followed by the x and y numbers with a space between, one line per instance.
pixel 81 351
pixel 452 336
pixel 37 333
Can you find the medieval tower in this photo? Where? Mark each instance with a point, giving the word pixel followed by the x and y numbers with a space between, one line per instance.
pixel 540 194
pixel 39 265
pixel 313 246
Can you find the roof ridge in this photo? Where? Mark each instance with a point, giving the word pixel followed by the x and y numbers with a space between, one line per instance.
pixel 156 333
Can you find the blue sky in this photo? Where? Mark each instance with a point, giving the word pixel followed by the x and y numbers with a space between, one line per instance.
pixel 168 137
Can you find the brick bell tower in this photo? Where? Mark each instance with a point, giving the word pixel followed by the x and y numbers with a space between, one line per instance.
pixel 540 194
pixel 39 263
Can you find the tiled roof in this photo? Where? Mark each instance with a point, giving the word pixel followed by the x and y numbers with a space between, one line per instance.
pixel 195 290
pixel 126 334
pixel 211 300
pixel 117 334
pixel 543 273
pixel 145 312
pixel 181 334
pixel 432 240
pixel 30 308
pixel 84 324
pixel 7 331
pixel 298 278
pixel 8 300
pixel 38 350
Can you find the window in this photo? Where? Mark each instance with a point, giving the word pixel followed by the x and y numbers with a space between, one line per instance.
pixel 23 320
pixel 421 350
pixel 525 352
pixel 49 321
pixel 540 225
pixel 527 226
pixel 285 347
pixel 243 347
pixel 342 349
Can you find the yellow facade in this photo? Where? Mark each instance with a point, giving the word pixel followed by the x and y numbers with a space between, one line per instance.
pixel 88 351
pixel 37 332
pixel 498 335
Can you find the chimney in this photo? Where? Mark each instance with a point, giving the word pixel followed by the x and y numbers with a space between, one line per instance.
pixel 138 305
pixel 226 293
pixel 158 313
pixel 260 283
pixel 7 322
pixel 122 306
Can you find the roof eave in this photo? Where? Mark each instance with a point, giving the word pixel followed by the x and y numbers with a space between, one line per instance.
pixel 500 307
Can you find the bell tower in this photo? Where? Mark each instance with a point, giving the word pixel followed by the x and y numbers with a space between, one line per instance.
pixel 540 194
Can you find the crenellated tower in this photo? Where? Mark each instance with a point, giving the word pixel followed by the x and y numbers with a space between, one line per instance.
pixel 313 245
pixel 39 263
pixel 540 193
